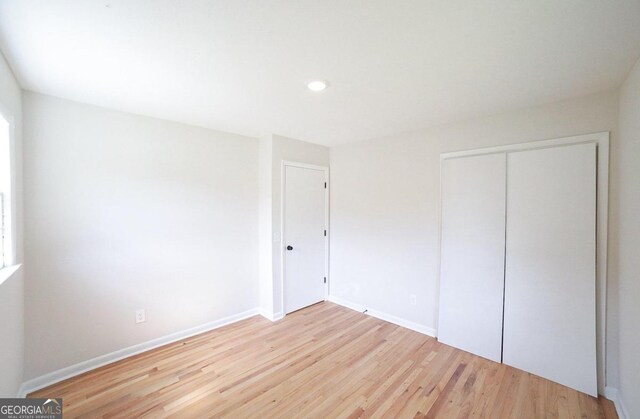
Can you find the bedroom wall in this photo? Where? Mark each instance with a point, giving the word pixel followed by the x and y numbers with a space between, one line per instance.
pixel 125 212
pixel 629 244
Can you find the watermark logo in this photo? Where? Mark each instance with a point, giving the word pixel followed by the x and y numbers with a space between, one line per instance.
pixel 30 408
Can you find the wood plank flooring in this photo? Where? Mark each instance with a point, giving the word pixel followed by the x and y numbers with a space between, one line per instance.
pixel 324 361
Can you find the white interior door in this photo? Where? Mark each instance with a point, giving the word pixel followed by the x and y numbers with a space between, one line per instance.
pixel 304 235
pixel 550 286
pixel 472 258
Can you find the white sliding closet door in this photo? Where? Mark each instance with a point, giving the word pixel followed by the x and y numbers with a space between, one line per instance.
pixel 472 254
pixel 550 286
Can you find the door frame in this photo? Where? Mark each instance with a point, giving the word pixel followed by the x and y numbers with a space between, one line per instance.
pixel 283 217
pixel 601 139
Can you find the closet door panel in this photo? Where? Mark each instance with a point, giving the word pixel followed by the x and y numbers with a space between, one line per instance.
pixel 550 285
pixel 472 254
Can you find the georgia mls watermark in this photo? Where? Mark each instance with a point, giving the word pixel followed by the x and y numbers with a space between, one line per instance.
pixel 30 408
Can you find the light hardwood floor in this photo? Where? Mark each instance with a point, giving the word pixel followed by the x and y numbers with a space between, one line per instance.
pixel 324 361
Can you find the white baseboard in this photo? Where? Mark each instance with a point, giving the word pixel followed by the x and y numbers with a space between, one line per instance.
pixel 613 394
pixel 384 316
pixel 91 364
pixel 271 316
pixel 22 391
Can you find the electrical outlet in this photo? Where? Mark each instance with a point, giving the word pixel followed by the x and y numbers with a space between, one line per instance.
pixel 140 316
pixel 413 299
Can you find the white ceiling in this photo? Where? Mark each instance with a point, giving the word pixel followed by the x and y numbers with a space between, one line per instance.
pixel 393 65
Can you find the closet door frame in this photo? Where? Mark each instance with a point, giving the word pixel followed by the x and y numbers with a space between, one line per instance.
pixel 601 139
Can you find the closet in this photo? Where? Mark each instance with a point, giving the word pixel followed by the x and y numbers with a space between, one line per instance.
pixel 518 258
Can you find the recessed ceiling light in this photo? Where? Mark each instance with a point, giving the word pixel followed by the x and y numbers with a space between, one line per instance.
pixel 317 85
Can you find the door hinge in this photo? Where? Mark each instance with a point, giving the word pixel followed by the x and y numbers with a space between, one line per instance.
pixel 325 185
pixel 325 233
pixel 325 279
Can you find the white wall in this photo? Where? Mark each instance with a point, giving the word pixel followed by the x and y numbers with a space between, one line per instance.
pixel 12 290
pixel 126 212
pixel 385 198
pixel 275 149
pixel 628 215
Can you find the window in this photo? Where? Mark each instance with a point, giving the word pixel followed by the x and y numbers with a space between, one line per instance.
pixel 5 194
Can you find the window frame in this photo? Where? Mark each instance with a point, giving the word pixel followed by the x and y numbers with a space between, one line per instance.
pixel 8 262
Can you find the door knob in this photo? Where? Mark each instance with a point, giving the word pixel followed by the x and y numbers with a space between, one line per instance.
pixel 289 247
